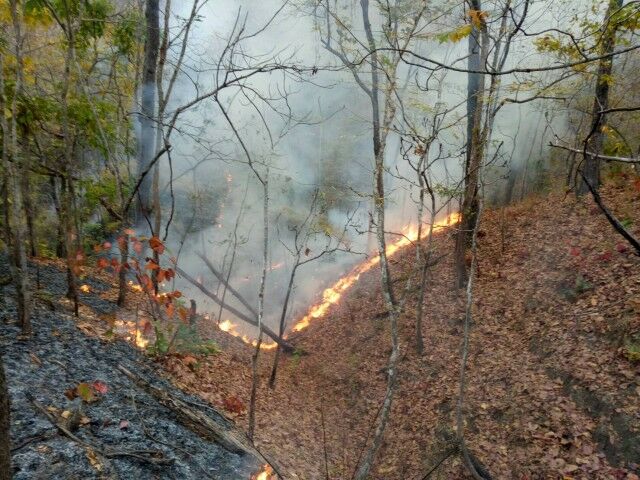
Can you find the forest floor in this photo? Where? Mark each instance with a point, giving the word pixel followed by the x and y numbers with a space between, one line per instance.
pixel 553 392
pixel 553 376
pixel 67 373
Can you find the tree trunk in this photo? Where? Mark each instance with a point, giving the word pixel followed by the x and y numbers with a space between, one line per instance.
pixel 595 142
pixel 5 440
pixel 122 273
pixel 283 317
pixel 380 134
pixel 146 142
pixel 475 149
pixel 15 226
pixel 263 282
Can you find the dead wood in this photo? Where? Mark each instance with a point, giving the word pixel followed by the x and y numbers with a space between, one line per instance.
pixel 615 223
pixel 286 346
pixel 195 420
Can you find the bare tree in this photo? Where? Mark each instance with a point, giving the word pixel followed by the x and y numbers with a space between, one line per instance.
pixel 398 32
pixel 303 235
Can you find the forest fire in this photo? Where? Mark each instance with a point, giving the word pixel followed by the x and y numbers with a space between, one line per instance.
pixel 229 327
pixel 85 288
pixel 266 473
pixel 131 332
pixel 332 295
pixel 134 287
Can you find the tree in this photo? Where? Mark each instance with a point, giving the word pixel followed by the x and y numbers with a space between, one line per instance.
pixel 5 441
pixel 595 138
pixel 399 24
pixel 148 103
pixel 13 162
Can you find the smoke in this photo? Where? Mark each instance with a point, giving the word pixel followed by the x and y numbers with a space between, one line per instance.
pixel 315 138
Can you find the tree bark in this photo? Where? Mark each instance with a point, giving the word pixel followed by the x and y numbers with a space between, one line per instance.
pixel 15 227
pixel 147 139
pixel 5 440
pixel 595 140
pixel 475 149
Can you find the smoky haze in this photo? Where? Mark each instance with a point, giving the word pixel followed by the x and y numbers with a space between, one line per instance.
pixel 314 135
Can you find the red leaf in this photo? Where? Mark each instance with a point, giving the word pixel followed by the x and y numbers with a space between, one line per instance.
pixel 622 248
pixel 156 245
pixel 575 251
pixel 100 387
pixel 124 424
pixel 103 263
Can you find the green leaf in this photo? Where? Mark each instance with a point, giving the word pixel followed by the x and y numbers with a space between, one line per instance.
pixel 85 392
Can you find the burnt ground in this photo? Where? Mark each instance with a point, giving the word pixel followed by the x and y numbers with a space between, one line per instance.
pixel 58 357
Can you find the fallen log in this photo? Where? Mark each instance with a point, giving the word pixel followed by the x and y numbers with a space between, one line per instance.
pixel 286 346
pixel 223 432
pixel 195 420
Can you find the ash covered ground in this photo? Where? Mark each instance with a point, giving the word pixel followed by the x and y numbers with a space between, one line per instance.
pixel 58 357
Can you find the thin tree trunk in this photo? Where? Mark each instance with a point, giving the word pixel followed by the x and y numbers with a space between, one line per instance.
pixel 18 258
pixel 122 273
pixel 471 465
pixel 283 317
pixel 379 143
pixel 424 273
pixel 5 440
pixel 263 282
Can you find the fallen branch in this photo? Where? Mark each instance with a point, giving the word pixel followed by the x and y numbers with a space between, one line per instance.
pixel 286 346
pixel 155 457
pixel 606 158
pixel 615 223
pixel 233 291
pixel 227 436
pixel 193 419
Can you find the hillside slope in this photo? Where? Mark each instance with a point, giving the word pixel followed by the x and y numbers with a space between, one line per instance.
pixel 552 392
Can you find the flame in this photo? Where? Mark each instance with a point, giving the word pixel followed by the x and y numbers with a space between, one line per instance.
pixel 332 295
pixel 135 287
pixel 231 328
pixel 266 473
pixel 132 333
pixel 85 288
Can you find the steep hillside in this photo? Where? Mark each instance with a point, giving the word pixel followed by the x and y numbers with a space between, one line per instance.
pixel 553 370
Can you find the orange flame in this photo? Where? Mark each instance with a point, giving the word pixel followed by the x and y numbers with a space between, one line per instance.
pixel 266 473
pixel 85 288
pixel 230 327
pixel 332 295
pixel 131 333
pixel 135 287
